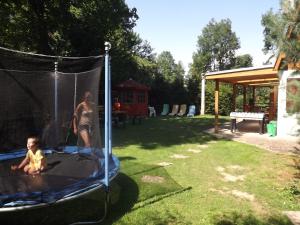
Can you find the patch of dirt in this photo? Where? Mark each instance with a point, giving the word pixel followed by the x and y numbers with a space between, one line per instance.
pixel 257 207
pixel 164 163
pixel 220 169
pixel 235 193
pixel 193 150
pixel 202 146
pixel 232 178
pixel 285 176
pixel 222 192
pixel 152 179
pixel 235 167
pixel 178 156
pixel 243 195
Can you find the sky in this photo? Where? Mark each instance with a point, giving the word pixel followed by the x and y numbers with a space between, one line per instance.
pixel 174 25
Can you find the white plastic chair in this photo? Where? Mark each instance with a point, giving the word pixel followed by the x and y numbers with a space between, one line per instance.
pixel 182 110
pixel 152 112
pixel 174 110
pixel 192 111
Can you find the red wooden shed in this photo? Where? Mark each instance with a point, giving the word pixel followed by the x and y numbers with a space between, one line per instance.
pixel 133 97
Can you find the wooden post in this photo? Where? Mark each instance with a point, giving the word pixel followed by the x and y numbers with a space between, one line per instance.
pixel 244 98
pixel 216 106
pixel 275 100
pixel 202 109
pixel 253 98
pixel 234 97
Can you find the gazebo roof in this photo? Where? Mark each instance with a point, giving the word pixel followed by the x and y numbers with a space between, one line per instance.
pixel 262 75
pixel 132 85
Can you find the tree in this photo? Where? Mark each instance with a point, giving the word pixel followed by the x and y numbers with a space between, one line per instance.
pixel 282 35
pixel 169 79
pixel 64 27
pixel 197 68
pixel 282 30
pixel 217 45
pixel 167 66
pixel 216 51
pixel 243 61
pixel 144 50
pixel 78 28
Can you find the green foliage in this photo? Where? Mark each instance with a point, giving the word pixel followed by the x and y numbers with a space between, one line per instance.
pixel 78 28
pixel 225 98
pixel 290 44
pixel 193 84
pixel 273 30
pixel 243 61
pixel 282 30
pixel 263 97
pixel 169 80
pixel 261 101
pixel 167 66
pixel 216 51
pixel 217 45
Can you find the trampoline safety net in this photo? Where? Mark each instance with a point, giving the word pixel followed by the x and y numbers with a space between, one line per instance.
pixel 38 97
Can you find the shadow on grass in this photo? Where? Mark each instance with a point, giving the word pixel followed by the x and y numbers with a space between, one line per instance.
pixel 126 158
pixel 239 219
pixel 134 193
pixel 154 133
pixel 125 192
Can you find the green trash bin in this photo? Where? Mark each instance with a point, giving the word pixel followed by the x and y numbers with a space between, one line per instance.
pixel 272 128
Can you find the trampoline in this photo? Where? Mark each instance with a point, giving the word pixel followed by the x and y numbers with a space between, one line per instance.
pixel 39 95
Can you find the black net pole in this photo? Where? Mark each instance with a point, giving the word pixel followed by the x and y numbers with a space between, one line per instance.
pixel 56 102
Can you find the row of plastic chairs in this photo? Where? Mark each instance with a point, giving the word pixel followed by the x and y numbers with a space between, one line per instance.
pixel 178 110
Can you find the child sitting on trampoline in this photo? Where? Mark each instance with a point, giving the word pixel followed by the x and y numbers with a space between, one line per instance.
pixel 35 161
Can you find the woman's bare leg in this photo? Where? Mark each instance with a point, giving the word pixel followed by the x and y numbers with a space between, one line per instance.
pixel 86 138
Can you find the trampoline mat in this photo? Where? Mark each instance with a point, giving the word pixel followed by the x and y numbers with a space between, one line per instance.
pixel 62 171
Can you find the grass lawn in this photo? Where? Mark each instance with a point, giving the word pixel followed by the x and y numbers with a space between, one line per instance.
pixel 219 182
pixel 210 181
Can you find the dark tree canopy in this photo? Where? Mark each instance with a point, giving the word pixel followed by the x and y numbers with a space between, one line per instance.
pixel 68 27
pixel 78 28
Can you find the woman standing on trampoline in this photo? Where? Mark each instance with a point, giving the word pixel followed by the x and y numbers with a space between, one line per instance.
pixel 83 119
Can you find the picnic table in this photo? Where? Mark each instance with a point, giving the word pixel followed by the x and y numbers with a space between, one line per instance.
pixel 260 117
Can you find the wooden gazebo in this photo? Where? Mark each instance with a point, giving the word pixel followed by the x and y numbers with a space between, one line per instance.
pixel 133 98
pixel 252 76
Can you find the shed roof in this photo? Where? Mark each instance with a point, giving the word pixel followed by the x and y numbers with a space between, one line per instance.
pixel 132 85
pixel 266 75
